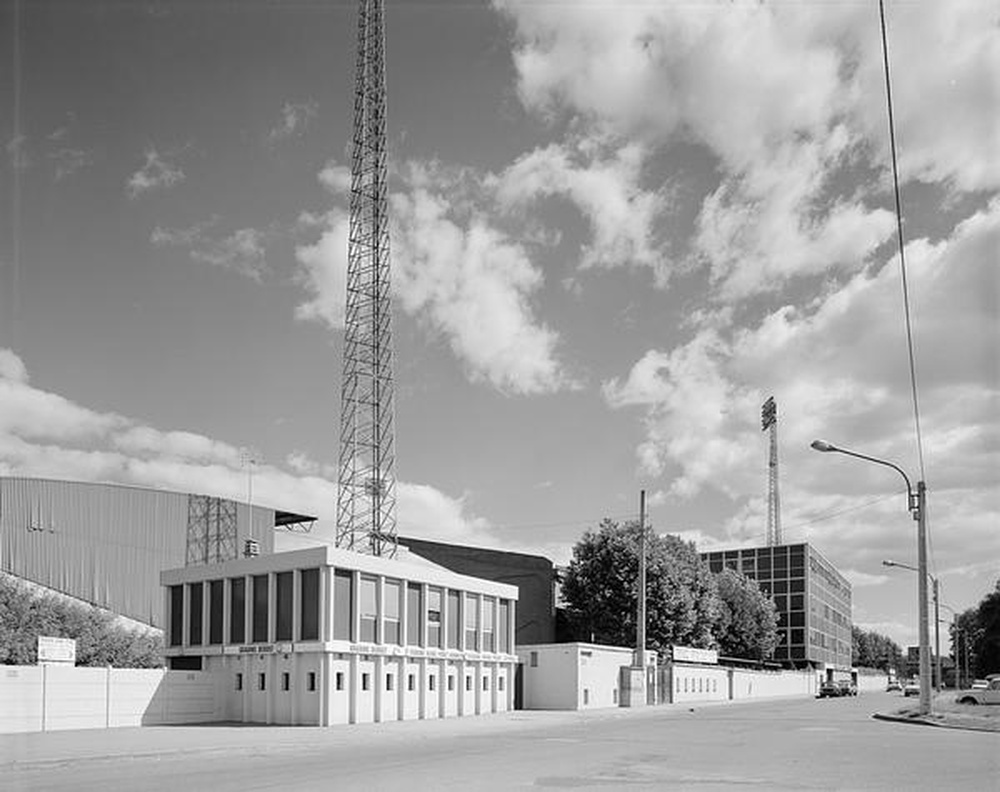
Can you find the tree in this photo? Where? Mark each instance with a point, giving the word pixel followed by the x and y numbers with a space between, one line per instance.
pixel 748 620
pixel 870 649
pixel 980 635
pixel 600 590
pixel 26 613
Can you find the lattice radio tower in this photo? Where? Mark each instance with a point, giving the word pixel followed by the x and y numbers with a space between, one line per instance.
pixel 366 499
pixel 769 421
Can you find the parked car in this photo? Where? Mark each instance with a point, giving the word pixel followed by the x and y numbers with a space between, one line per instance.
pixel 988 695
pixel 847 687
pixel 829 690
pixel 892 686
pixel 912 688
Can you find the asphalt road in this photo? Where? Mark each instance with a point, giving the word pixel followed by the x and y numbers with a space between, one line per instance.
pixel 787 744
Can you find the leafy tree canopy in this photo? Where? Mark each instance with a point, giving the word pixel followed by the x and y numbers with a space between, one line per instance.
pixel 600 590
pixel 870 649
pixel 26 613
pixel 748 620
pixel 980 631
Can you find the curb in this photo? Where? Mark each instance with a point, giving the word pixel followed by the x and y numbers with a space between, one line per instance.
pixel 919 720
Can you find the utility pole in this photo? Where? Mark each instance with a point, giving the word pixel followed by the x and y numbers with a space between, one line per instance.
pixel 640 640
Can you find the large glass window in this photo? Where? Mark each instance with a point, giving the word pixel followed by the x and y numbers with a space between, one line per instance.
pixel 393 591
pixel 194 613
pixel 434 617
pixel 472 622
pixel 454 625
pixel 284 584
pixel 215 607
pixel 368 607
pixel 343 604
pixel 309 605
pixel 176 615
pixel 503 628
pixel 260 608
pixel 414 615
pixel 237 610
pixel 489 638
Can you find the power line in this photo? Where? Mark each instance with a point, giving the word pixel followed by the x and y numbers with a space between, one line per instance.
pixel 902 263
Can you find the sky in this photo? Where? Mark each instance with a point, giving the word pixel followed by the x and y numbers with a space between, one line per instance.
pixel 617 228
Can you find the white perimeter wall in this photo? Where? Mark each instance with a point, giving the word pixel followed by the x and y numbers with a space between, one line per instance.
pixel 773 684
pixel 47 698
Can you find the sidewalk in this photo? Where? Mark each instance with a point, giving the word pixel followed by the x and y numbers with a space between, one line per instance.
pixel 59 747
pixel 945 713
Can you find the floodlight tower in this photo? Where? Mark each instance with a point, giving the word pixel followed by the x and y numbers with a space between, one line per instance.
pixel 366 499
pixel 769 421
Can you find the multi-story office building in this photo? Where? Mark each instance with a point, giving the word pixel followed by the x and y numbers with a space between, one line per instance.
pixel 812 598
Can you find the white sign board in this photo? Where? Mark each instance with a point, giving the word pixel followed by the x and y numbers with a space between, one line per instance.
pixel 56 650
pixel 688 654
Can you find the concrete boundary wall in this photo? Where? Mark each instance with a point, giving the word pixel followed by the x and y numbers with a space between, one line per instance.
pixel 50 698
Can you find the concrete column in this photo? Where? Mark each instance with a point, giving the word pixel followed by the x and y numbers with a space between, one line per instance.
pixel 378 682
pixel 296 605
pixel 326 603
pixel 185 615
pixel 248 608
pixel 227 606
pixel 272 606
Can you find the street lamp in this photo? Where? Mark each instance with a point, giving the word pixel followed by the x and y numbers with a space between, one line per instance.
pixel 916 503
pixel 937 617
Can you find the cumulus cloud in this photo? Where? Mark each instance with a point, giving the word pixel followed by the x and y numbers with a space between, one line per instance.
pixel 295 117
pixel 157 173
pixel 46 435
pixel 605 188
pixel 788 99
pixel 472 283
pixel 455 271
pixel 838 369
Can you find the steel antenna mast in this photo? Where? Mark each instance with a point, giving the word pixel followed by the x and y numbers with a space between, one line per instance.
pixel 366 499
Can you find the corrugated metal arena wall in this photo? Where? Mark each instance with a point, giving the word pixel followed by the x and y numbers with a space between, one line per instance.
pixel 104 543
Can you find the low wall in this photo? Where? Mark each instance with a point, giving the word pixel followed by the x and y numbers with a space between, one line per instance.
pixel 49 697
pixel 872 681
pixel 685 682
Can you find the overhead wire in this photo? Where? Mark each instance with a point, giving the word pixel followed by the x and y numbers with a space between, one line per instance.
pixel 902 264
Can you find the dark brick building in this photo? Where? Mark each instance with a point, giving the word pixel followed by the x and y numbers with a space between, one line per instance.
pixel 535 577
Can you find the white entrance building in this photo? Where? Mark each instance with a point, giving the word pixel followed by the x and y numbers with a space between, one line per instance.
pixel 324 636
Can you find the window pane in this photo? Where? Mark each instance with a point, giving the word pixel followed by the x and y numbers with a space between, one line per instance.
pixel 215 589
pixel 237 610
pixel 309 605
pixel 194 614
pixel 259 608
pixel 434 617
pixel 369 609
pixel 176 615
pixel 343 604
pixel 472 622
pixel 283 627
pixel 392 591
pixel 453 622
pixel 414 615
pixel 503 628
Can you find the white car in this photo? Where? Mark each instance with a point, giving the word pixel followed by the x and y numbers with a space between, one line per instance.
pixel 989 695
pixel 912 688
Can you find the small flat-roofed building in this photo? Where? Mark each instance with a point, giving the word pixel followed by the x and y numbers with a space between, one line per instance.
pixel 325 635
